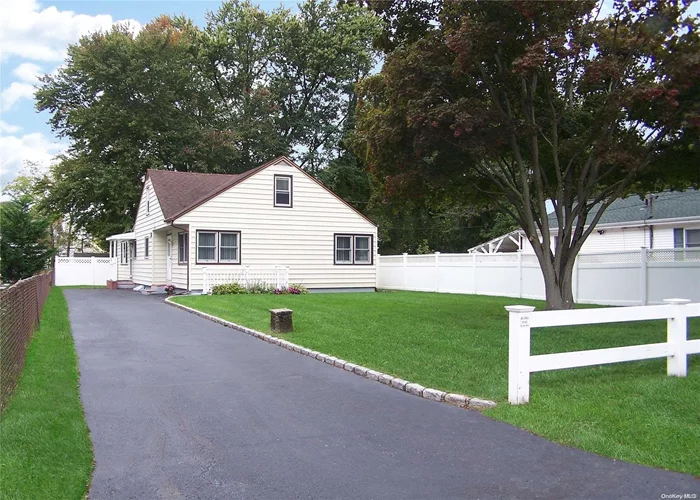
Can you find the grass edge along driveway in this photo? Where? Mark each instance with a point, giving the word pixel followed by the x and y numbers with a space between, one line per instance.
pixel 46 450
pixel 459 343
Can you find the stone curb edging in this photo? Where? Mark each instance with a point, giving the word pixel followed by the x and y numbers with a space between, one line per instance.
pixel 459 400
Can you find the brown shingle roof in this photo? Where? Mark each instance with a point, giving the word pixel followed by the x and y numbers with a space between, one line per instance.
pixel 177 191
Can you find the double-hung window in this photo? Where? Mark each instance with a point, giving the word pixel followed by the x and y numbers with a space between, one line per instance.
pixel 353 249
pixel 283 190
pixel 228 248
pixel 686 238
pixel 146 252
pixel 182 248
pixel 219 247
pixel 206 246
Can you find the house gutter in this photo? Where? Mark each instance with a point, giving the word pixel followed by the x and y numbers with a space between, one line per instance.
pixel 188 250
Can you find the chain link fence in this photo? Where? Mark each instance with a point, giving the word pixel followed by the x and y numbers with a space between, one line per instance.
pixel 20 312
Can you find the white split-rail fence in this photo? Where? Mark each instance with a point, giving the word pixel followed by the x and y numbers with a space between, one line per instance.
pixel 521 363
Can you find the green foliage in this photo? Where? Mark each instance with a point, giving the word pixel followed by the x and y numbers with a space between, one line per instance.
pixel 512 104
pixel 459 343
pixel 257 288
pixel 229 289
pixel 249 86
pixel 46 450
pixel 260 287
pixel 25 248
pixel 296 289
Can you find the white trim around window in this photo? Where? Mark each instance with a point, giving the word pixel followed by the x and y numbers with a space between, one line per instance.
pixel 353 249
pixel 229 247
pixel 283 191
pixel 218 247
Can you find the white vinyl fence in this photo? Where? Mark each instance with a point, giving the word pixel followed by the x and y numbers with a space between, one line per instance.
pixel 84 270
pixel 638 277
pixel 522 318
pixel 277 276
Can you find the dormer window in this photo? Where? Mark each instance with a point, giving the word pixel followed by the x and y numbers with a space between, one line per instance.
pixel 283 191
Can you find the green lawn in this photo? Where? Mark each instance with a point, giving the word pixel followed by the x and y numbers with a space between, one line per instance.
pixel 45 448
pixel 459 343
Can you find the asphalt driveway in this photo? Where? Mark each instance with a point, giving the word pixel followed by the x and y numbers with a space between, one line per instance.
pixel 182 408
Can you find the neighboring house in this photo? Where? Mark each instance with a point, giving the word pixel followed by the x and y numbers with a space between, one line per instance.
pixel 660 221
pixel 273 215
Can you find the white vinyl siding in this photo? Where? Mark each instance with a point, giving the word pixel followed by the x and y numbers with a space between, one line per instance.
pixel 180 268
pixel 301 237
pixel 629 238
pixel 150 271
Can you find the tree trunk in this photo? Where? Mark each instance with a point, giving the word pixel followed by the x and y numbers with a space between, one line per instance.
pixel 558 283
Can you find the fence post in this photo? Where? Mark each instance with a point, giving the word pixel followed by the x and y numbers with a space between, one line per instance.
pixel 476 288
pixel 520 274
pixel 245 276
pixel 405 271
pixel 277 277
pixel 205 281
pixel 676 337
pixel 286 283
pixel 437 271
pixel 645 276
pixel 93 265
pixel 575 280
pixel 519 354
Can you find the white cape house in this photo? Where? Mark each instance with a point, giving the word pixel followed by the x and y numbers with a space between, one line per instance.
pixel 274 222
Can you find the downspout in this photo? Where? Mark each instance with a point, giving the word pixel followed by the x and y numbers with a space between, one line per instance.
pixel 187 231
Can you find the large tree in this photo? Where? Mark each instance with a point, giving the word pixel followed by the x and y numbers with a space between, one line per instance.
pixel 284 80
pixel 249 86
pixel 25 248
pixel 127 103
pixel 515 104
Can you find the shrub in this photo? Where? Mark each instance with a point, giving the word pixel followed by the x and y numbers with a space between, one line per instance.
pixel 257 288
pixel 296 289
pixel 228 289
pixel 260 287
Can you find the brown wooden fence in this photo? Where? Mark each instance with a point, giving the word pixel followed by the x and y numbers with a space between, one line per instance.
pixel 20 312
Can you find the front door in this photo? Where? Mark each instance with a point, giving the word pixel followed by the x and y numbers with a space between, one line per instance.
pixel 169 257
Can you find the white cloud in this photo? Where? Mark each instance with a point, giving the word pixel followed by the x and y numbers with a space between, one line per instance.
pixel 16 150
pixel 43 34
pixel 6 128
pixel 27 72
pixel 14 93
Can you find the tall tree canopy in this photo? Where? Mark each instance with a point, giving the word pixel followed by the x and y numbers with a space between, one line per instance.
pixel 518 103
pixel 248 86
